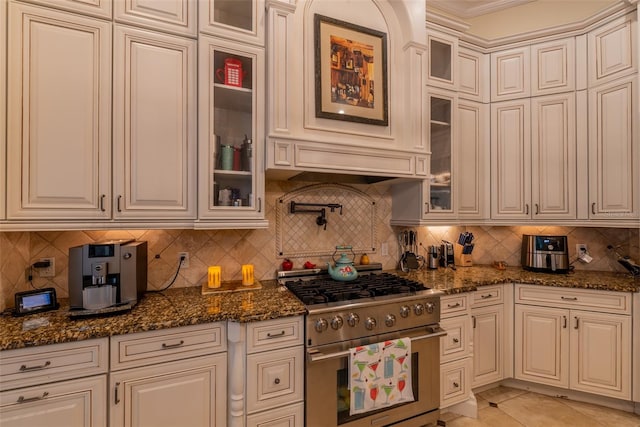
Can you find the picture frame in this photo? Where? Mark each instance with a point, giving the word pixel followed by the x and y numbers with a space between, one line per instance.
pixel 349 59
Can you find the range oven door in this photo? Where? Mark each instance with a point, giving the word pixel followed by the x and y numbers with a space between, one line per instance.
pixel 327 381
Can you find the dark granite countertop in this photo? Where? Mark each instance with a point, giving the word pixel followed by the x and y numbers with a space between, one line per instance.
pixel 187 306
pixel 466 279
pixel 171 308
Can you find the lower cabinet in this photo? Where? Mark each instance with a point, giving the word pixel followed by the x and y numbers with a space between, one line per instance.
pixel 487 320
pixel 266 373
pixel 456 363
pixel 188 392
pixel 80 402
pixel 585 347
pixel 55 385
pixel 170 377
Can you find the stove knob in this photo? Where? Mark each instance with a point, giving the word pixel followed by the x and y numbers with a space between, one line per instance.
pixel 418 309
pixel 353 319
pixel 405 311
pixel 321 325
pixel 390 320
pixel 370 323
pixel 430 307
pixel 336 322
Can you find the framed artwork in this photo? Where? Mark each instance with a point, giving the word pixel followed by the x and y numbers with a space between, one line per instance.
pixel 350 72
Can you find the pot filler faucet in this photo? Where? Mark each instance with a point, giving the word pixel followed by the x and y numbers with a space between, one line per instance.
pixel 321 220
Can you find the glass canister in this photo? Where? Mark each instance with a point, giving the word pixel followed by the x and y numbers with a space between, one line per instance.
pixel 226 157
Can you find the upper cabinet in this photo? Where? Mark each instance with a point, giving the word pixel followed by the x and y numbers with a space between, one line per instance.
pixel 473 75
pixel 154 125
pixel 59 115
pixel 237 20
pixel 511 74
pixel 231 175
pixel 442 66
pixel 612 49
pixel 553 67
pixel 97 8
pixel 173 16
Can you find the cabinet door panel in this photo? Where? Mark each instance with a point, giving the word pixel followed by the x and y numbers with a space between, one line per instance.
pixel 601 350
pixel 541 345
pixel 553 157
pixel 155 125
pixel 553 67
pixel 510 74
pixel 174 16
pixel 614 188
pixel 488 344
pixel 611 50
pixel 67 403
pixel 59 115
pixel 511 156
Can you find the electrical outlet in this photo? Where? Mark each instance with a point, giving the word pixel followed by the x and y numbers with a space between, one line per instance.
pixel 581 249
pixel 384 249
pixel 185 263
pixel 48 271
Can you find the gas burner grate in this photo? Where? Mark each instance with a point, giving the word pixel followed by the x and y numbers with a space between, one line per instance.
pixel 323 290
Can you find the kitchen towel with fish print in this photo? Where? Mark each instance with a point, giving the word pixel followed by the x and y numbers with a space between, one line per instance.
pixel 380 375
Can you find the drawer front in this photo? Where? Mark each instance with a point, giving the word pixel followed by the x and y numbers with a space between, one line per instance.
pixel 454 305
pixel 274 334
pixel 487 295
pixel 146 348
pixel 56 362
pixel 274 378
pixel 584 299
pixel 456 344
pixel 288 416
pixel 455 382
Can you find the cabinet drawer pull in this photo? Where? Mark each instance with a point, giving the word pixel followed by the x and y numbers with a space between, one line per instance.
pixel 259 204
pixel 119 198
pixel 593 208
pixel 456 385
pixel 526 209
pixel 117 397
pixel 102 202
pixel 564 322
pixel 569 298
pixel 473 319
pixel 426 207
pixel 453 305
pixel 279 334
pixel 25 368
pixel 577 322
pixel 456 340
pixel 486 296
pixel 277 381
pixel 23 399
pixel 537 209
pixel 166 346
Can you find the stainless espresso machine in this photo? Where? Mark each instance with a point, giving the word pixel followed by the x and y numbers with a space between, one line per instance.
pixel 106 277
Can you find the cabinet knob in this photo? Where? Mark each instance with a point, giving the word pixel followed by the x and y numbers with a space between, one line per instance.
pixel 456 340
pixel 277 381
pixel 456 385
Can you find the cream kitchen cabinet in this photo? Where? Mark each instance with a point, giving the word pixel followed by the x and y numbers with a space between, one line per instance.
pixel 553 67
pixel 154 125
pixel 614 157
pixel 511 74
pixel 59 115
pixel 237 20
pixel 613 51
pixel 3 109
pixel 172 16
pixel 55 385
pixel 473 75
pixel 442 60
pixel 586 336
pixel 456 363
pixel 169 377
pixel 533 157
pixel 231 107
pixel 489 335
pixel 97 8
pixel 266 373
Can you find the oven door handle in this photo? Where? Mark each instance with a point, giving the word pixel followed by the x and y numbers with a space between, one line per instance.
pixel 314 355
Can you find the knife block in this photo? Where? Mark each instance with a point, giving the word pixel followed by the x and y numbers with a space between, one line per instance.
pixel 462 260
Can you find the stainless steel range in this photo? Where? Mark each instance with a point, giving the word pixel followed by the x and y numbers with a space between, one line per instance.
pixel 375 307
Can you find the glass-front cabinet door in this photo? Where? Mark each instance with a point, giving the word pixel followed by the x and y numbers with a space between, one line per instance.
pixel 231 181
pixel 239 20
pixel 440 199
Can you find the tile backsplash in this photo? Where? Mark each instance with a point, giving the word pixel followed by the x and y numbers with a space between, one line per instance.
pixel 232 248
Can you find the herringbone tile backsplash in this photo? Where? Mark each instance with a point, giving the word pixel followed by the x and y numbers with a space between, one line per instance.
pixel 364 223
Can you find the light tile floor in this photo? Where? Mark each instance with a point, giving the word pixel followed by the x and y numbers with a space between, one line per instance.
pixel 509 407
